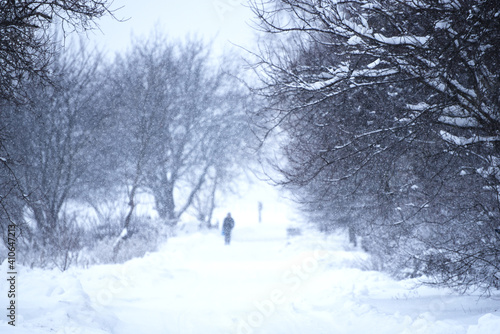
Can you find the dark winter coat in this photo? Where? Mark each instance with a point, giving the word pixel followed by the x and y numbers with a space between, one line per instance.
pixel 228 225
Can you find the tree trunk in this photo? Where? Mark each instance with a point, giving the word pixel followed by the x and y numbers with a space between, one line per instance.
pixel 126 224
pixel 46 223
pixel 352 236
pixel 165 204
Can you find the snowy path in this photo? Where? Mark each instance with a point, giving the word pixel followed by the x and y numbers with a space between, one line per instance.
pixel 261 283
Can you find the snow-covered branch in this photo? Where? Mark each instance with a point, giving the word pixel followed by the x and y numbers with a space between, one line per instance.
pixel 463 141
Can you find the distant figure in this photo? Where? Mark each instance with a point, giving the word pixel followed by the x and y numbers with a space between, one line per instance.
pixel 260 212
pixel 227 227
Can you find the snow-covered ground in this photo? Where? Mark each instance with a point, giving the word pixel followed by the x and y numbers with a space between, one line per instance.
pixel 263 282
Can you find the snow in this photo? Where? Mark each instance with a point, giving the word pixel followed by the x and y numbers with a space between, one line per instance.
pixel 264 282
pixel 124 233
pixel 374 64
pixel 354 40
pixel 318 85
pixel 401 40
pixel 459 121
pixel 443 24
pixel 462 141
pixel 422 106
pixel 364 31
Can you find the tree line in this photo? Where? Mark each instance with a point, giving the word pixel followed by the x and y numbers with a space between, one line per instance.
pixel 387 114
pixel 391 112
pixel 163 118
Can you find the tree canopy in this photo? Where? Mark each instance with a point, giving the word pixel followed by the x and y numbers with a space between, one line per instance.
pixel 392 110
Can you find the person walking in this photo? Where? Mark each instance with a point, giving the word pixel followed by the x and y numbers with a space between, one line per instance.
pixel 227 227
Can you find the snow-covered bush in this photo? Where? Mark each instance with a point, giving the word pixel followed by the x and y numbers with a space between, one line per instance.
pixel 143 236
pixel 58 250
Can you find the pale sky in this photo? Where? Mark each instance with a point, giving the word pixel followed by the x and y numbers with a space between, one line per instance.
pixel 229 20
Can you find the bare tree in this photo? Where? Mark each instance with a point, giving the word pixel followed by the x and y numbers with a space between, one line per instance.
pixel 51 159
pixel 181 123
pixel 26 50
pixel 27 46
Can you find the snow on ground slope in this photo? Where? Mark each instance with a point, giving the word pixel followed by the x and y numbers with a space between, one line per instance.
pixel 263 282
